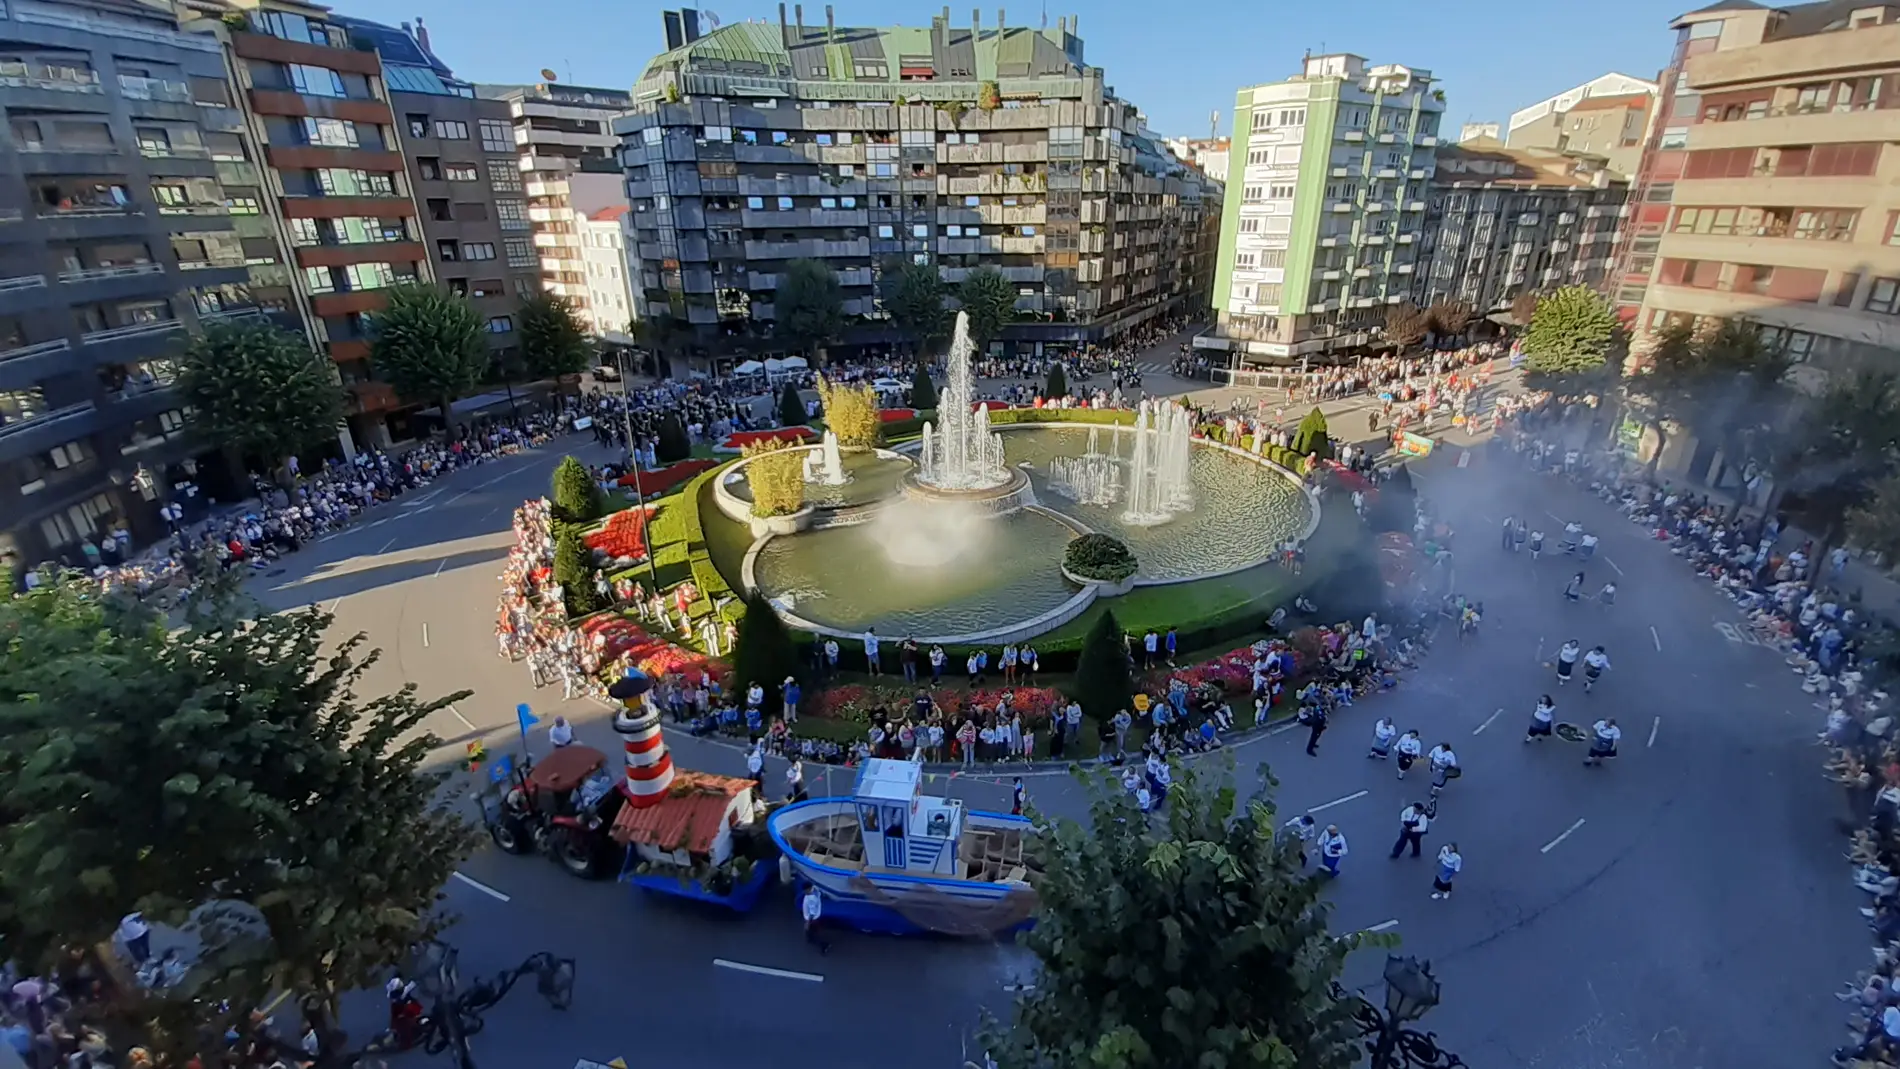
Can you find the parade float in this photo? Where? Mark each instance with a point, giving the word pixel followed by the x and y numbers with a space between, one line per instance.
pixel 890 859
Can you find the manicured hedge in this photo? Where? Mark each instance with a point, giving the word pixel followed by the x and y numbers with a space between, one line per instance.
pixel 1100 416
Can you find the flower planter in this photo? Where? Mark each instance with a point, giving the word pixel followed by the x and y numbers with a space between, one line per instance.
pixel 782 525
pixel 1104 588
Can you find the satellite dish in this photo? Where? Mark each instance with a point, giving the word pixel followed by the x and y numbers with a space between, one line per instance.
pixel 548 75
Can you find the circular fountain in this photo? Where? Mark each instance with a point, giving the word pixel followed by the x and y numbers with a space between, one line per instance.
pixel 960 459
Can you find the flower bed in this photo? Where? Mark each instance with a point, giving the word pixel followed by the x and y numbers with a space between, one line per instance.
pixel 654 483
pixel 736 443
pixel 896 415
pixel 856 701
pixel 623 537
pixel 654 656
pixel 1232 672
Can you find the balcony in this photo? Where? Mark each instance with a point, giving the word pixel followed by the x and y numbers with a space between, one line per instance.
pixel 1418 174
pixel 52 85
pixel 1407 239
pixel 1388 138
pixel 1414 205
pixel 26 364
pixel 344 207
pixel 1373 239
pixel 1331 274
pixel 1330 241
pixel 802 217
pixel 1341 172
pixel 97 274
pixel 135 87
pixel 1426 141
pixel 22 293
pixel 22 437
pixel 291 104
pixel 1566 218
pixel 808 248
pixel 124 30
pixel 1388 173
pixel 91 221
pixel 132 342
pixel 538 214
pixel 1340 206
pixel 1357 137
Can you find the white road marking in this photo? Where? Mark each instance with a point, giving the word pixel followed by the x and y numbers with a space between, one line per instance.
pixel 1552 845
pixel 1479 730
pixel 373 524
pixel 465 720
pixel 425 636
pixel 783 974
pixel 1384 925
pixel 386 545
pixel 439 567
pixel 1736 635
pixel 1338 801
pixel 458 497
pixel 482 887
pixel 335 603
pixel 1653 729
pixel 420 511
pixel 1553 516
pixel 1657 637
pixel 1612 564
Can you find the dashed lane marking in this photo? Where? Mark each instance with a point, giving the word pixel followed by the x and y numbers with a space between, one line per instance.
pixel 425 636
pixel 783 974
pixel 386 546
pixel 334 604
pixel 1612 564
pixel 466 722
pixel 438 568
pixel 482 887
pixel 1479 730
pixel 1653 729
pixel 1656 637
pixel 1339 801
pixel 1384 925
pixel 1568 832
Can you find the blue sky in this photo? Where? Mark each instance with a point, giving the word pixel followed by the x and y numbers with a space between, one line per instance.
pixel 1177 63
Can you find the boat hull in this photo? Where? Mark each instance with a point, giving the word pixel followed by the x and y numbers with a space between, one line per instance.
pixel 886 903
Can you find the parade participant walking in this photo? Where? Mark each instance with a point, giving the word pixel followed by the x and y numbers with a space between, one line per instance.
pixel 1543 717
pixel 1414 821
pixel 1604 735
pixel 1567 659
pixel 795 781
pixel 560 733
pixel 755 763
pixel 1314 717
pixel 1383 732
pixel 1594 664
pixel 1450 864
pixel 1332 848
pixel 1301 830
pixel 1409 747
pixel 1537 544
pixel 937 657
pixel 1607 596
pixel 1018 797
pixel 812 908
pixel 1573 591
pixel 1510 533
pixel 1444 764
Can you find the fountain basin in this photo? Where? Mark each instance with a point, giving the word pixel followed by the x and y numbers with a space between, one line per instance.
pixel 1012 494
pixel 792 523
pixel 1103 588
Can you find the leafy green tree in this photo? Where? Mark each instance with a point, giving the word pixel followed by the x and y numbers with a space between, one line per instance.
pixel 1192 938
pixel 225 774
pixel 1571 336
pixel 913 296
pixel 989 300
pixel 791 407
pixel 671 443
pixel 576 497
pixel 1844 444
pixel 1310 437
pixel 574 570
pixel 923 391
pixel 429 344
pixel 259 389
pixel 1057 384
pixel 764 653
pixel 809 308
pixel 1874 524
pixel 1103 683
pixel 1662 392
pixel 554 341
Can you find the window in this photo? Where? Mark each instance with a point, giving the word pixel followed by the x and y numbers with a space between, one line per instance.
pixel 1884 296
pixel 953 231
pixel 240 204
pixel 504 176
pixel 319 280
pixel 756 204
pixel 451 130
pixel 460 172
pixel 885 231
pixel 370 276
pixel 1844 290
pixel 1253 194
pixel 478 250
pixel 496 135
pixel 418 124
pixel 447 250
pixel 785 204
pixel 304 232
pixel 1250 224
pixel 315 81
pixel 340 182
pixel 883 170
pixel 520 253
pixel 512 214
pixel 920 230
pixel 332 133
pixel 1893 228
pixel 501 325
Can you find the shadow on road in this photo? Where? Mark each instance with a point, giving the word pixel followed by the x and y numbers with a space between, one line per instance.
pixel 319 588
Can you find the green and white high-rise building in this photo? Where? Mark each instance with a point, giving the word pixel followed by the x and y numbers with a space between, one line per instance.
pixel 1325 207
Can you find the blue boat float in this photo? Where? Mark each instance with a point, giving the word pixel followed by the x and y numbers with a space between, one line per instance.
pixel 890 859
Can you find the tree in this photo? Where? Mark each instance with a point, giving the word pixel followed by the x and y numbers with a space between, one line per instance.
pixel 1058 381
pixel 809 308
pixel 1570 336
pixel 1405 325
pixel 1523 308
pixel 989 300
pixel 913 296
pixel 1662 392
pixel 671 443
pixel 923 391
pixel 776 477
pixel 851 413
pixel 791 407
pixel 763 652
pixel 574 570
pixel 1102 681
pixel 1310 438
pixel 554 342
pixel 1449 319
pixel 259 389
pixel 1192 938
pixel 576 496
pixel 663 335
pixel 225 774
pixel 1874 524
pixel 1844 444
pixel 429 344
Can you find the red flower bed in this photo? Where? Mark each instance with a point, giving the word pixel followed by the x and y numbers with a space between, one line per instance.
pixel 664 479
pixel 624 535
pixel 995 406
pixel 1232 672
pixel 856 701
pixel 783 434
pixel 896 415
pixel 654 656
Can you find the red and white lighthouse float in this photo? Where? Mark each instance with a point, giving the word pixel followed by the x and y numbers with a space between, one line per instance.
pixel 649 767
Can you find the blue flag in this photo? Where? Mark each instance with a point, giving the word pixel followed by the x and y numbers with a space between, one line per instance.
pixel 526 717
pixel 501 769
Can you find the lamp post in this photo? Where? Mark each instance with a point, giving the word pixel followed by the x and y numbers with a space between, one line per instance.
pixel 1410 992
pixel 633 460
pixel 456 1015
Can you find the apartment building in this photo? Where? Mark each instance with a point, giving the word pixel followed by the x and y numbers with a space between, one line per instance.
pixel 116 241
pixel 465 176
pixel 1325 208
pixel 1210 154
pixel 1500 222
pixel 564 148
pixel 609 305
pixel 1607 116
pixel 961 146
pixel 1773 192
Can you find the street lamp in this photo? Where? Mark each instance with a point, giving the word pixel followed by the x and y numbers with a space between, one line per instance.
pixel 1410 992
pixel 633 460
pixel 456 1015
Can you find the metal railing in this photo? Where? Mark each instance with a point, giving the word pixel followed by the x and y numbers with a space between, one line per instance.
pixel 22 282
pixel 92 209
pixel 11 215
pixel 137 87
pixel 40 419
pixel 24 352
pixel 226 315
pixel 18 75
pixel 194 209
pixel 153 151
pixel 212 262
pixel 192 41
pixel 133 330
pixel 93 274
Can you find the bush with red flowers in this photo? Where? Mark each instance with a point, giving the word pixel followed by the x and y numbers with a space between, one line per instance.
pixel 660 480
pixel 736 443
pixel 623 538
pixel 856 701
pixel 622 636
pixel 896 415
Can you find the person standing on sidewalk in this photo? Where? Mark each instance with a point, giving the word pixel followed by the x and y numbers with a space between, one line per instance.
pixel 1150 642
pixel 1414 821
pixel 907 660
pixel 1450 864
pixel 1121 723
pixel 812 908
pixel 871 664
pixel 937 657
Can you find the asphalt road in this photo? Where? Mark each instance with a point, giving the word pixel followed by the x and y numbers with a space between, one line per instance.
pixel 1684 908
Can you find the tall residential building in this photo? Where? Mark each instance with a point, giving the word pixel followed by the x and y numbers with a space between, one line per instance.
pixel 116 241
pixel 1210 154
pixel 1607 116
pixel 333 179
pixel 1773 190
pixel 565 150
pixel 1325 207
pixel 1472 131
pixel 466 177
pixel 609 306
pixel 1502 222
pixel 962 146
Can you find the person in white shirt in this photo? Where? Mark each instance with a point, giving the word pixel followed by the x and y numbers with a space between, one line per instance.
pixel 1332 848
pixel 1444 766
pixel 561 733
pixel 1594 664
pixel 1409 747
pixel 1149 643
pixel 137 937
pixel 1604 735
pixel 795 781
pixel 1414 821
pixel 1370 629
pixel 870 652
pixel 1300 831
pixel 1567 659
pixel 1542 718
pixel 1383 733
pixel 1450 864
pixel 755 763
pixel 812 909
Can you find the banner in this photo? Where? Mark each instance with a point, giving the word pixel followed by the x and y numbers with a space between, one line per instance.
pixel 1413 445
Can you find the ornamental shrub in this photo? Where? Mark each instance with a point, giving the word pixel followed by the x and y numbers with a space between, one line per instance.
pixel 1097 556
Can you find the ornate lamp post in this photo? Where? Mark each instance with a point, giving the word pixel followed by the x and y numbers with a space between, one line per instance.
pixel 456 1014
pixel 1410 992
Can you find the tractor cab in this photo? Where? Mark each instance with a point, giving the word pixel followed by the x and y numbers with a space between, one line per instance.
pixel 562 805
